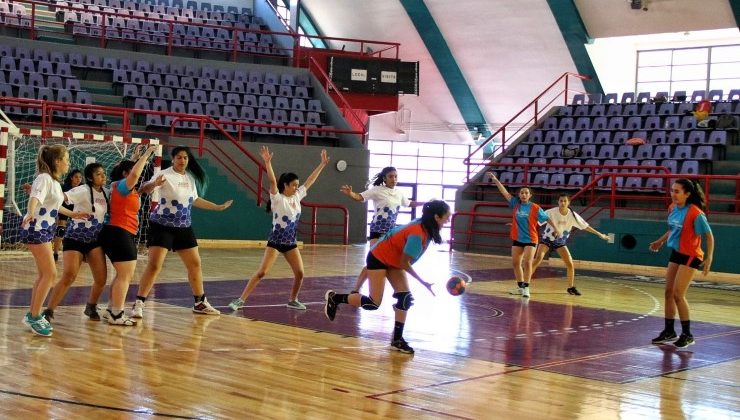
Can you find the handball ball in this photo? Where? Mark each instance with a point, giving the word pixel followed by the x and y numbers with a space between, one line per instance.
pixel 456 286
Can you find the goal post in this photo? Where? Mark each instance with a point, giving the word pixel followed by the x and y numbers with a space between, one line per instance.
pixel 18 153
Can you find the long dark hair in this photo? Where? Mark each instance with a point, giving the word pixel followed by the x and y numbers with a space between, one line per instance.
pixel 431 209
pixel 89 171
pixel 696 193
pixel 67 184
pixel 201 177
pixel 116 174
pixel 285 178
pixel 379 178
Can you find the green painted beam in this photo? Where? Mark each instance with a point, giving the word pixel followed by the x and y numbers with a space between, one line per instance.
pixel 576 37
pixel 445 62
pixel 735 5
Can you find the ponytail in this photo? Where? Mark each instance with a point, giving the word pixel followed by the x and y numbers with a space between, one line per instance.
pixel 429 223
pixel 695 191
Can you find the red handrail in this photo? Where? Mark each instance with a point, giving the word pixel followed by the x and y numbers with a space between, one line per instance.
pixel 533 106
pixel 315 224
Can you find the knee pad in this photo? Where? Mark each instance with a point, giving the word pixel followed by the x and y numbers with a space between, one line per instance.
pixel 404 300
pixel 61 230
pixel 368 303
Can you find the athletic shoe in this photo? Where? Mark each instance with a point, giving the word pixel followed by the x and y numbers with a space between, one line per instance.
pixel 203 307
pixel 236 304
pixel 48 314
pixel 330 308
pixel 121 319
pixel 402 346
pixel 573 291
pixel 525 292
pixel 684 341
pixel 38 325
pixel 91 310
pixel 665 337
pixel 294 304
pixel 137 311
pixel 517 291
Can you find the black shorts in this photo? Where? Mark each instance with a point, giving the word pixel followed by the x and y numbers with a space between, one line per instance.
pixel 373 263
pixel 551 245
pixel 118 244
pixel 683 259
pixel 375 235
pixel 171 238
pixel 282 248
pixel 523 244
pixel 81 247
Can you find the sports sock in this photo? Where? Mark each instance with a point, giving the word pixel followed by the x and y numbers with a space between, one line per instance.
pixel 199 299
pixel 669 325
pixel 141 298
pixel 686 327
pixel 340 298
pixel 398 331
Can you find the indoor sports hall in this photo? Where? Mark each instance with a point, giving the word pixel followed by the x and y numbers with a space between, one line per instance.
pixel 616 105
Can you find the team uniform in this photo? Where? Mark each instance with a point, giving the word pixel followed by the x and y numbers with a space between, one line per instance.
pixel 411 240
pixel 687 224
pixel 49 193
pixel 286 212
pixel 82 235
pixel 170 220
pixel 524 221
pixel 119 232
pixel 387 203
pixel 565 224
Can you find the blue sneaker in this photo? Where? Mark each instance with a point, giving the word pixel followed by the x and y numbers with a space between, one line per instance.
pixel 38 325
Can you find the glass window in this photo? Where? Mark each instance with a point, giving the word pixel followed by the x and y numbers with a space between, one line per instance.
pixel 651 74
pixel 726 54
pixel 691 56
pixel 654 58
pixel 725 70
pixel 690 72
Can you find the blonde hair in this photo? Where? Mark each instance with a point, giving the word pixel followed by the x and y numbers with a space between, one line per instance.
pixel 46 163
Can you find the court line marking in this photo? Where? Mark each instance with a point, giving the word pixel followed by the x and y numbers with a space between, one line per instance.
pixel 98 406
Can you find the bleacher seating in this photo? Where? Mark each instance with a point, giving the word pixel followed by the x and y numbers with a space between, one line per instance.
pixel 599 131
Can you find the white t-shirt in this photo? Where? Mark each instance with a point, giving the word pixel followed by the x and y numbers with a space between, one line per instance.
pixel 174 199
pixel 86 230
pixel 286 212
pixel 49 193
pixel 387 202
pixel 564 223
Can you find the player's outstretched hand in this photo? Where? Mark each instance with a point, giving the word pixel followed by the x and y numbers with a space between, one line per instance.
pixel 655 246
pixel 346 189
pixel 604 237
pixel 324 157
pixel 428 286
pixel 225 205
pixel 265 154
pixel 81 215
pixel 491 176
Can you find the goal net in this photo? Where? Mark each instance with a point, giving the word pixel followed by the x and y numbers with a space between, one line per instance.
pixel 19 149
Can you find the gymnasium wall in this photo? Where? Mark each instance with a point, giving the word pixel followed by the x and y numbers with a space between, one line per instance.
pixel 632 237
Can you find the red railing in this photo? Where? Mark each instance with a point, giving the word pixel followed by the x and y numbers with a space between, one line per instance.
pixel 531 112
pixel 613 199
pixel 315 224
pixel 346 108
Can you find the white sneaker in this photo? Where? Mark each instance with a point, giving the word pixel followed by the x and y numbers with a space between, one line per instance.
pixel 525 292
pixel 517 291
pixel 236 304
pixel 138 310
pixel 294 304
pixel 121 320
pixel 204 307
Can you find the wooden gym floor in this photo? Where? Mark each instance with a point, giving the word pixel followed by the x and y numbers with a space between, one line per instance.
pixel 486 354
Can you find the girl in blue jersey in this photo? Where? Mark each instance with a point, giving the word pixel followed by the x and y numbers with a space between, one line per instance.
pixel 81 241
pixel 687 223
pixel 170 227
pixel 38 228
pixel 526 217
pixel 387 201
pixel 285 204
